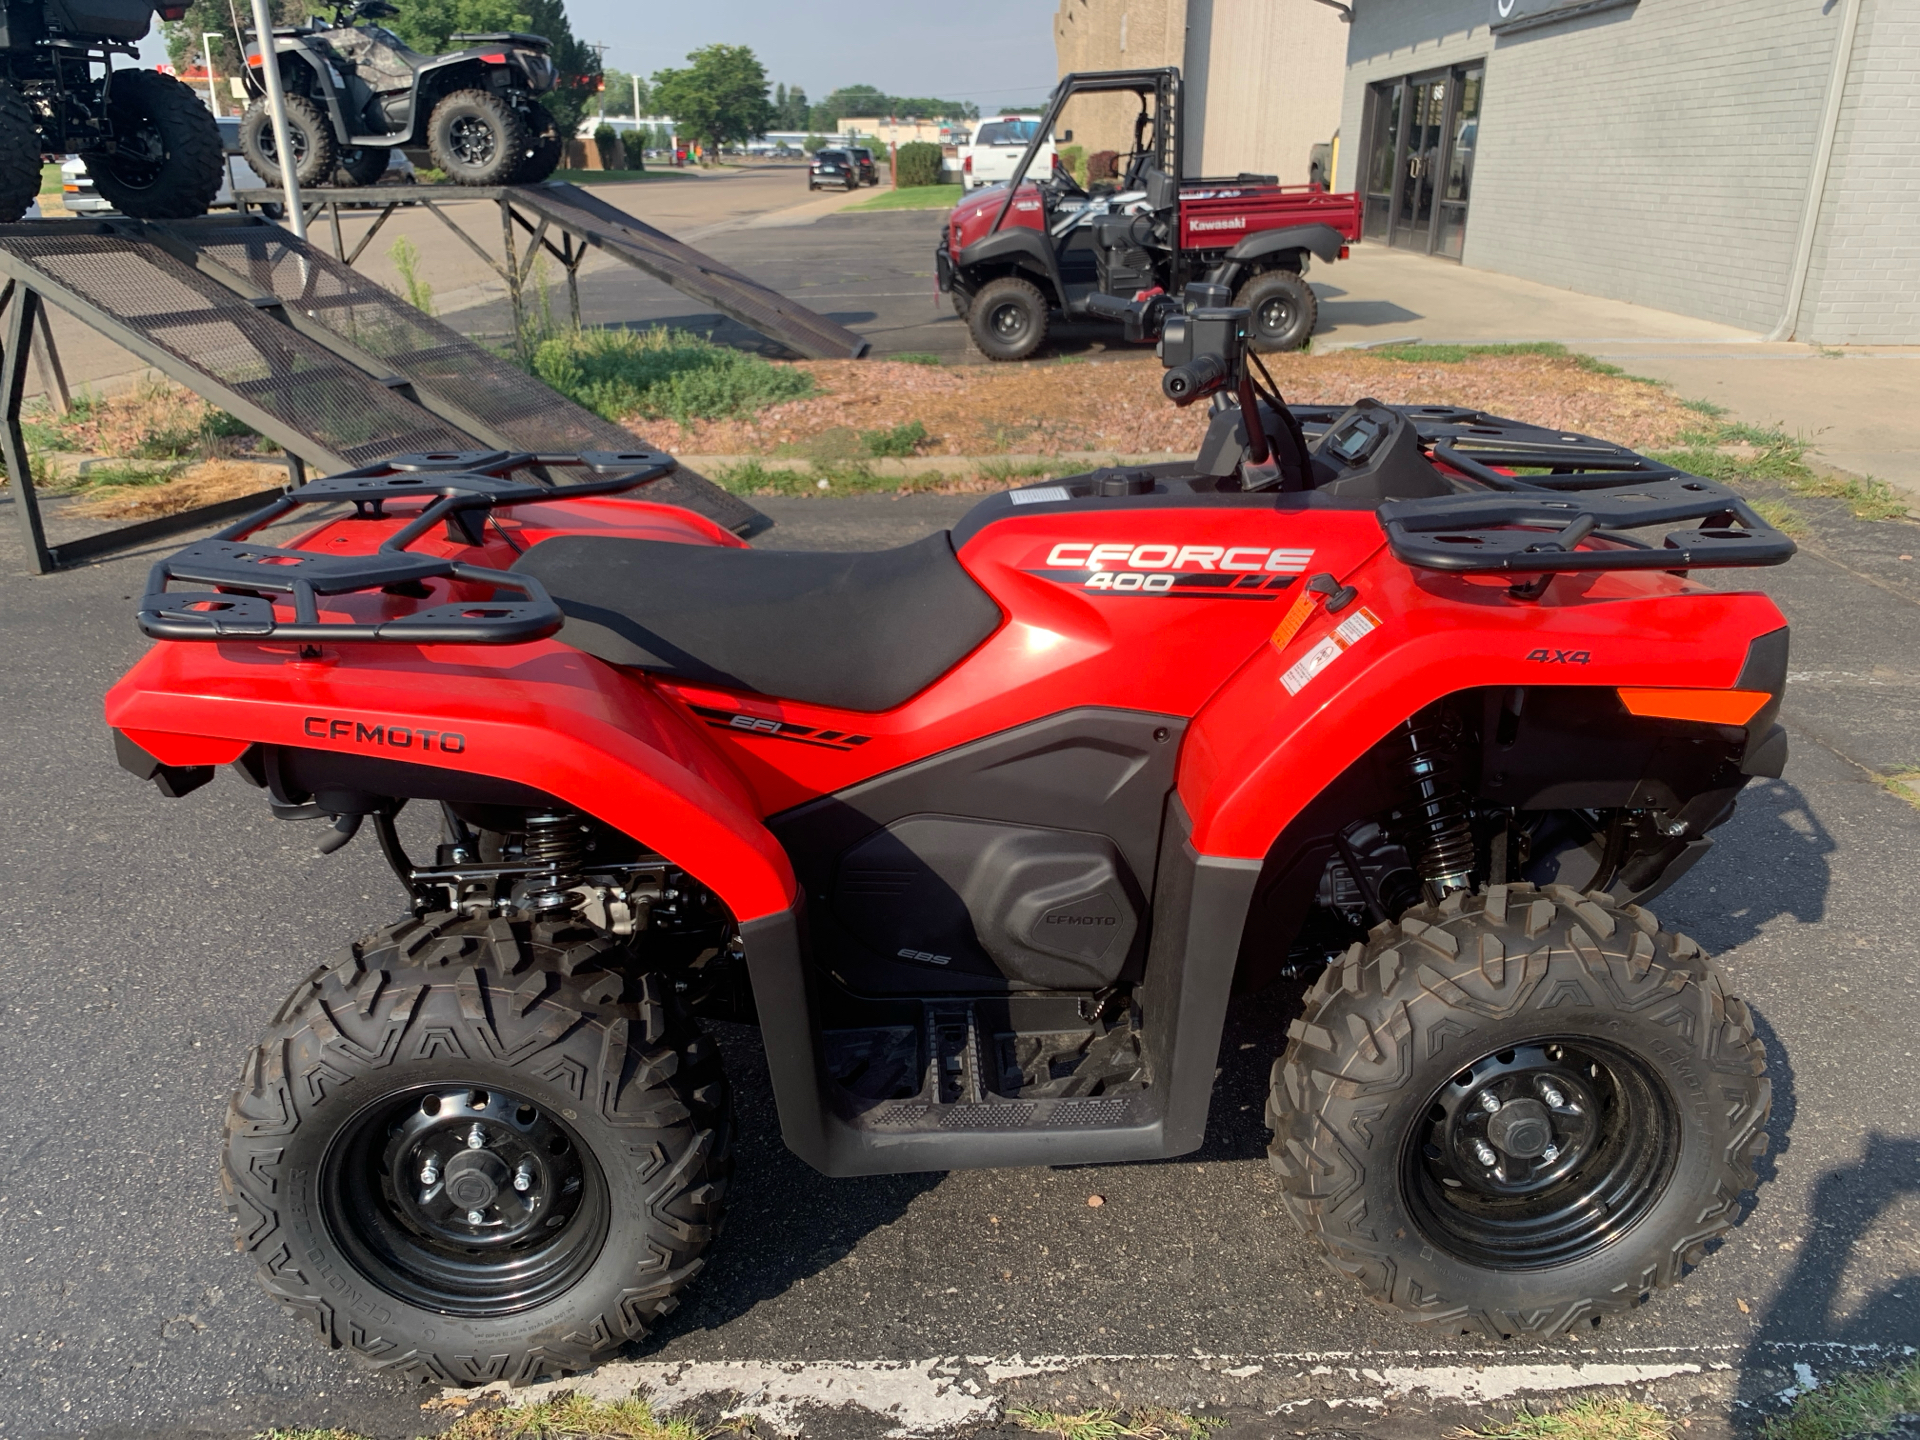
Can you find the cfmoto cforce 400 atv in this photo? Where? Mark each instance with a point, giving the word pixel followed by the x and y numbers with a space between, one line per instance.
pixel 150 144
pixel 355 91
pixel 982 833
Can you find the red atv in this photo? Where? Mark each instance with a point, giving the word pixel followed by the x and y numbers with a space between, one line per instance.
pixel 1013 256
pixel 982 833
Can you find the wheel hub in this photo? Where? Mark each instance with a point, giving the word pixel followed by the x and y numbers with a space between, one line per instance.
pixel 1009 321
pixel 1536 1155
pixel 465 1199
pixel 1275 316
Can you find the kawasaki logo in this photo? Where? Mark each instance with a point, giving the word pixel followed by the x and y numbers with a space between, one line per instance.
pixel 1238 222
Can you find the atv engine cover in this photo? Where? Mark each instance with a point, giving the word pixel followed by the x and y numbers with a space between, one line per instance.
pixel 1041 909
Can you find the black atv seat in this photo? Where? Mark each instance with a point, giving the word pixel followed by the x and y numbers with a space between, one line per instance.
pixel 860 631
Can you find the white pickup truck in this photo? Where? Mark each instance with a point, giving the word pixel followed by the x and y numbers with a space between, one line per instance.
pixel 997 147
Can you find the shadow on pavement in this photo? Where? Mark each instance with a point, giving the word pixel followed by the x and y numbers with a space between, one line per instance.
pixel 1856 1210
pixel 1780 857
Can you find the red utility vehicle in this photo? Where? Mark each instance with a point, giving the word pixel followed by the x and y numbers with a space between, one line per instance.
pixel 1015 255
pixel 982 833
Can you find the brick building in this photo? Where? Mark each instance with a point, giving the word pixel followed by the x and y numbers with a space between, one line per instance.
pixel 1748 161
pixel 1263 77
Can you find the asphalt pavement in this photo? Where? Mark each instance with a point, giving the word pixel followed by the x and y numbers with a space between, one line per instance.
pixel 151 939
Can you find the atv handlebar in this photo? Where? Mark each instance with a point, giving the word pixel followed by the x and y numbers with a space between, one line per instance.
pixel 1184 384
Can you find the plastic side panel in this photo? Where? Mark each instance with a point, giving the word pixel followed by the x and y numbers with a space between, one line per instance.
pixel 1257 754
pixel 540 715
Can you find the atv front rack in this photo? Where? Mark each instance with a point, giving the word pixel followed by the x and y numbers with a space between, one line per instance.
pixel 1570 488
pixel 464 488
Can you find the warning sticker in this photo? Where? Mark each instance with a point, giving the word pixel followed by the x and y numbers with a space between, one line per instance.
pixel 1291 622
pixel 1350 630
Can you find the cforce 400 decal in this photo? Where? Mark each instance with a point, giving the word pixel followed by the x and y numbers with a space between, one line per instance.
pixel 1232 572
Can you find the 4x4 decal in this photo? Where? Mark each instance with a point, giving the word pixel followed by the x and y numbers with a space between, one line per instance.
pixel 1561 657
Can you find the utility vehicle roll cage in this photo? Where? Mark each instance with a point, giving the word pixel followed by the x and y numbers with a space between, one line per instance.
pixel 464 489
pixel 1163 84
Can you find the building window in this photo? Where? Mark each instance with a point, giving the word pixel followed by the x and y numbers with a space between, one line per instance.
pixel 1420 136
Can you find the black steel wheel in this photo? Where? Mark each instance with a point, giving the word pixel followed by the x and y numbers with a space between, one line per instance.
pixel 316 154
pixel 478 1150
pixel 1008 318
pixel 165 161
pixel 1488 1115
pixel 19 156
pixel 1284 310
pixel 478 138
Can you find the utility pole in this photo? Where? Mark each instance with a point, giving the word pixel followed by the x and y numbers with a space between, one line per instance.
pixel 282 132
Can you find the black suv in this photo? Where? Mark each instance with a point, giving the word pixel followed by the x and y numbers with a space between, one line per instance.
pixel 863 157
pixel 834 167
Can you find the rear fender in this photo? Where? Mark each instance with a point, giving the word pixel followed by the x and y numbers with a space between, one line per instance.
pixel 1256 755
pixel 543 716
pixel 1323 240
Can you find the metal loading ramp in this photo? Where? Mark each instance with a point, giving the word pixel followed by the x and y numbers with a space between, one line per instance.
pixel 320 360
pixel 734 295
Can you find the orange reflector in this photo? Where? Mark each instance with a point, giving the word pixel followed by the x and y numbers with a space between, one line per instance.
pixel 1714 707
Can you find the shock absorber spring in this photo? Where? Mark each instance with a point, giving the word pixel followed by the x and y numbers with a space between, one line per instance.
pixel 557 842
pixel 1443 832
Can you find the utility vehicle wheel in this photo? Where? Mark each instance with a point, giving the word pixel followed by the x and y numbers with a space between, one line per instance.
pixel 1008 319
pixel 166 160
pixel 1284 310
pixel 962 302
pixel 1517 1112
pixel 19 156
pixel 477 138
pixel 471 1151
pixel 316 154
pixel 361 165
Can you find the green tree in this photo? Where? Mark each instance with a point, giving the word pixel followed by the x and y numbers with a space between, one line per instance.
pixel 720 99
pixel 616 95
pixel 215 17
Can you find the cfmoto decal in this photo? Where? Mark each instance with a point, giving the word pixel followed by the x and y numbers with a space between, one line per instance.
pixel 768 728
pixel 1228 572
pixel 386 735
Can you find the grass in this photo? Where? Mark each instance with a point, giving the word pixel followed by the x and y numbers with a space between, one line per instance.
pixel 568 1416
pixel 660 373
pixel 1595 1419
pixel 51 179
pixel 915 357
pixel 1850 1406
pixel 1147 1423
pixel 896 440
pixel 857 477
pixel 919 197
pixel 1741 454
pixel 609 177
pixel 1418 354
pixel 406 260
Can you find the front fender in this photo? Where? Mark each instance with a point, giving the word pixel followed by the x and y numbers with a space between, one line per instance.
pixel 541 715
pixel 1016 246
pixel 1255 755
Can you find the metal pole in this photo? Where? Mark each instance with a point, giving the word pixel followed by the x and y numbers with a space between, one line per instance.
pixel 277 106
pixel 206 54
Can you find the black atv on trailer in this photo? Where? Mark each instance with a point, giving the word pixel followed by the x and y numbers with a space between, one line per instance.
pixel 149 143
pixel 356 91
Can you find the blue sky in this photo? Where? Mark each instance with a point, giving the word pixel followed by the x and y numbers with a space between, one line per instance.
pixel 992 52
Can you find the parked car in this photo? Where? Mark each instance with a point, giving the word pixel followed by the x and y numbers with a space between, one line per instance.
pixel 869 172
pixel 834 167
pixel 997 147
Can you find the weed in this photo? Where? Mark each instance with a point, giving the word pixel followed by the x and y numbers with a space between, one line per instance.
pixel 117 474
pixel 1597 1419
pixel 916 357
pixel 1905 784
pixel 1006 472
pixel 1849 1406
pixel 1782 516
pixel 1148 1423
pixel 1865 497
pixel 1704 407
pixel 661 373
pixel 572 1416
pixel 406 259
pixel 1777 457
pixel 898 441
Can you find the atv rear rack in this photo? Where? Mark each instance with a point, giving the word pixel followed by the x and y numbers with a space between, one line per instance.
pixel 464 488
pixel 1590 490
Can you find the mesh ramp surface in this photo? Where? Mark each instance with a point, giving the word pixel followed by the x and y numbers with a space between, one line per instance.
pixel 494 399
pixel 740 297
pixel 212 340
